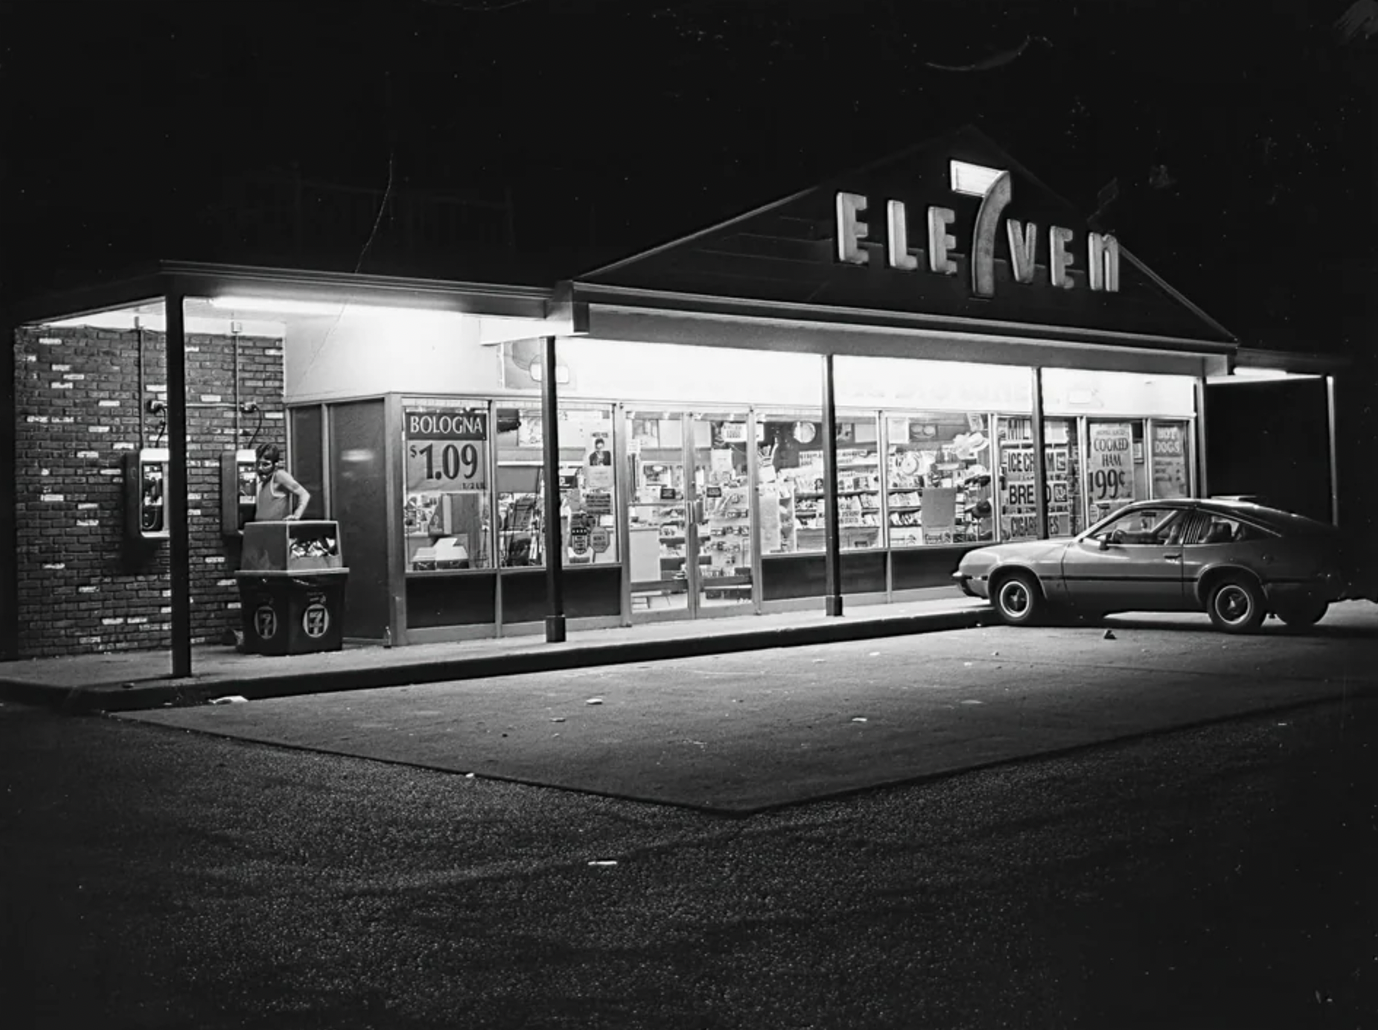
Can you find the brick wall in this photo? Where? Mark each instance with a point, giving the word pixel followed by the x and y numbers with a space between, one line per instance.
pixel 79 410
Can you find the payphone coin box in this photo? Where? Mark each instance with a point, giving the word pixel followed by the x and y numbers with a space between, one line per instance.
pixel 297 546
pixel 238 490
pixel 145 493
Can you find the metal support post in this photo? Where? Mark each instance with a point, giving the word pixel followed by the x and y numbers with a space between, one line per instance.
pixel 832 566
pixel 1040 468
pixel 179 540
pixel 550 471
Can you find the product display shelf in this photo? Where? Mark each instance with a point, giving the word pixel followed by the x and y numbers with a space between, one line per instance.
pixel 904 507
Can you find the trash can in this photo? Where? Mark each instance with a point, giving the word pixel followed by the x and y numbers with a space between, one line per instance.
pixel 292 587
pixel 284 613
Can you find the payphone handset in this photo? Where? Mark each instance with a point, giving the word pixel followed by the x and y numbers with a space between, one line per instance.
pixel 145 482
pixel 238 490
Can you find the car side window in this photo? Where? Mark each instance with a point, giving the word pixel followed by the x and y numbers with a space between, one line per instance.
pixel 1211 529
pixel 1152 526
pixel 1248 532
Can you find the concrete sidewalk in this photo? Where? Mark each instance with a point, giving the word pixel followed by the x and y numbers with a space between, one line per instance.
pixel 126 681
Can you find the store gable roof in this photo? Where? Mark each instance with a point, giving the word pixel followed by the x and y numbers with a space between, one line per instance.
pixel 783 258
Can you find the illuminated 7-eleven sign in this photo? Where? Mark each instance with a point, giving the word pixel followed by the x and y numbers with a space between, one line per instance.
pixel 995 189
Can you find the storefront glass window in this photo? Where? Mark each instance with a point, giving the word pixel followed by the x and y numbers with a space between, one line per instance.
pixel 587 476
pixel 1171 472
pixel 446 507
pixel 1018 491
pixel 789 481
pixel 938 478
pixel 858 483
pixel 1062 464
pixel 791 484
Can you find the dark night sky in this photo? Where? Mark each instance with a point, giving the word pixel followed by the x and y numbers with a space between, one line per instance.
pixel 620 124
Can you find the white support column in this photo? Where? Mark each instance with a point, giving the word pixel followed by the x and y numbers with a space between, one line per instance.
pixel 1334 455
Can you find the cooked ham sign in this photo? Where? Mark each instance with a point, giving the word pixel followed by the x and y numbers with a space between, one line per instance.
pixel 855 224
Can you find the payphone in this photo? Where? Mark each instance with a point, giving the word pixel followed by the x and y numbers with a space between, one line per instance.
pixel 145 491
pixel 238 490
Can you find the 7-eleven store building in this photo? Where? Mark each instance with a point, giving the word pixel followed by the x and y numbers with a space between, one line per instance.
pixel 830 398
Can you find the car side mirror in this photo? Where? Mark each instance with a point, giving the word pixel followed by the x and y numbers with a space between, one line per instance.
pixel 1104 543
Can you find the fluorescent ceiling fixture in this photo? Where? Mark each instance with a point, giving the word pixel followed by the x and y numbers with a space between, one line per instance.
pixel 315 307
pixel 973 180
pixel 1267 373
pixel 157 322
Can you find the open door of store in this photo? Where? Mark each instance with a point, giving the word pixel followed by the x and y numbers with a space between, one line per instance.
pixel 1270 440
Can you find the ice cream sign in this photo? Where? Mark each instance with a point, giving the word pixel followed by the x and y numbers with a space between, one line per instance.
pixel 995 188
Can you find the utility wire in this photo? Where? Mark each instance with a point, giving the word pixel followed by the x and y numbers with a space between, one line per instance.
pixel 382 207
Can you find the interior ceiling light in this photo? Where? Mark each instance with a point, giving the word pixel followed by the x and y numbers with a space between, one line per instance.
pixel 1268 373
pixel 973 180
pixel 289 306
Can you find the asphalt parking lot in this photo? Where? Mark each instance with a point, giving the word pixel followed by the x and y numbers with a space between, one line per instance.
pixel 741 733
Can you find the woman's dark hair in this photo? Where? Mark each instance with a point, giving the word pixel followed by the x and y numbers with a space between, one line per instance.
pixel 269 452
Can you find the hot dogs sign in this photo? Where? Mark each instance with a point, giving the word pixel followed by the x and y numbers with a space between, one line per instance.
pixel 853 226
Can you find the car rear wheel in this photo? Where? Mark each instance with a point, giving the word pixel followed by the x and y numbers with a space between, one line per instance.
pixel 1018 600
pixel 1301 614
pixel 1235 605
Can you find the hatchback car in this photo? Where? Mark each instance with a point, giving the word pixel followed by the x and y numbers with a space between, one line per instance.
pixel 1236 560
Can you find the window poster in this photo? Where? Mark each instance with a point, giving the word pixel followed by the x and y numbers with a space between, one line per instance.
pixel 446 450
pixel 769 496
pixel 1018 499
pixel 939 514
pixel 1109 466
pixel 1170 459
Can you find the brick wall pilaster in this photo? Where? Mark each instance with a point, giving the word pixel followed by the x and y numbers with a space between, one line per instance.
pixel 79 409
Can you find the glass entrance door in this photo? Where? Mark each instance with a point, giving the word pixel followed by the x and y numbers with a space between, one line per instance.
pixel 720 499
pixel 690 546
pixel 657 508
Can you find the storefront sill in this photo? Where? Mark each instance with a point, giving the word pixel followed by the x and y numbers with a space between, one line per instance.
pixel 451 634
pixel 804 604
pixel 527 629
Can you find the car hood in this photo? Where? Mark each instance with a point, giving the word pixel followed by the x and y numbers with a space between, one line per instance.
pixel 1023 551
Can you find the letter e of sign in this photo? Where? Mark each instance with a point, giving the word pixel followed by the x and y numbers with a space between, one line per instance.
pixel 850 230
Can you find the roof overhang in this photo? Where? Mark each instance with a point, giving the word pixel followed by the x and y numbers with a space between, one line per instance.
pixel 187 279
pixel 612 312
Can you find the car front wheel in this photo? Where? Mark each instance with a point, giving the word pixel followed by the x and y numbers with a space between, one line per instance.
pixel 1018 600
pixel 1235 605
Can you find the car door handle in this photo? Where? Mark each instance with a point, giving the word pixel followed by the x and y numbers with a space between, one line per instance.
pixel 1172 557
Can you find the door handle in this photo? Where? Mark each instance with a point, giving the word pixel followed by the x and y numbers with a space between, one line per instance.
pixel 1172 557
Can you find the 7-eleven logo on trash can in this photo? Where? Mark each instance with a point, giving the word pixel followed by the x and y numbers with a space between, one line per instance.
pixel 265 622
pixel 315 620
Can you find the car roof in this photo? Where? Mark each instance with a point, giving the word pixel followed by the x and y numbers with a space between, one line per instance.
pixel 1273 518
